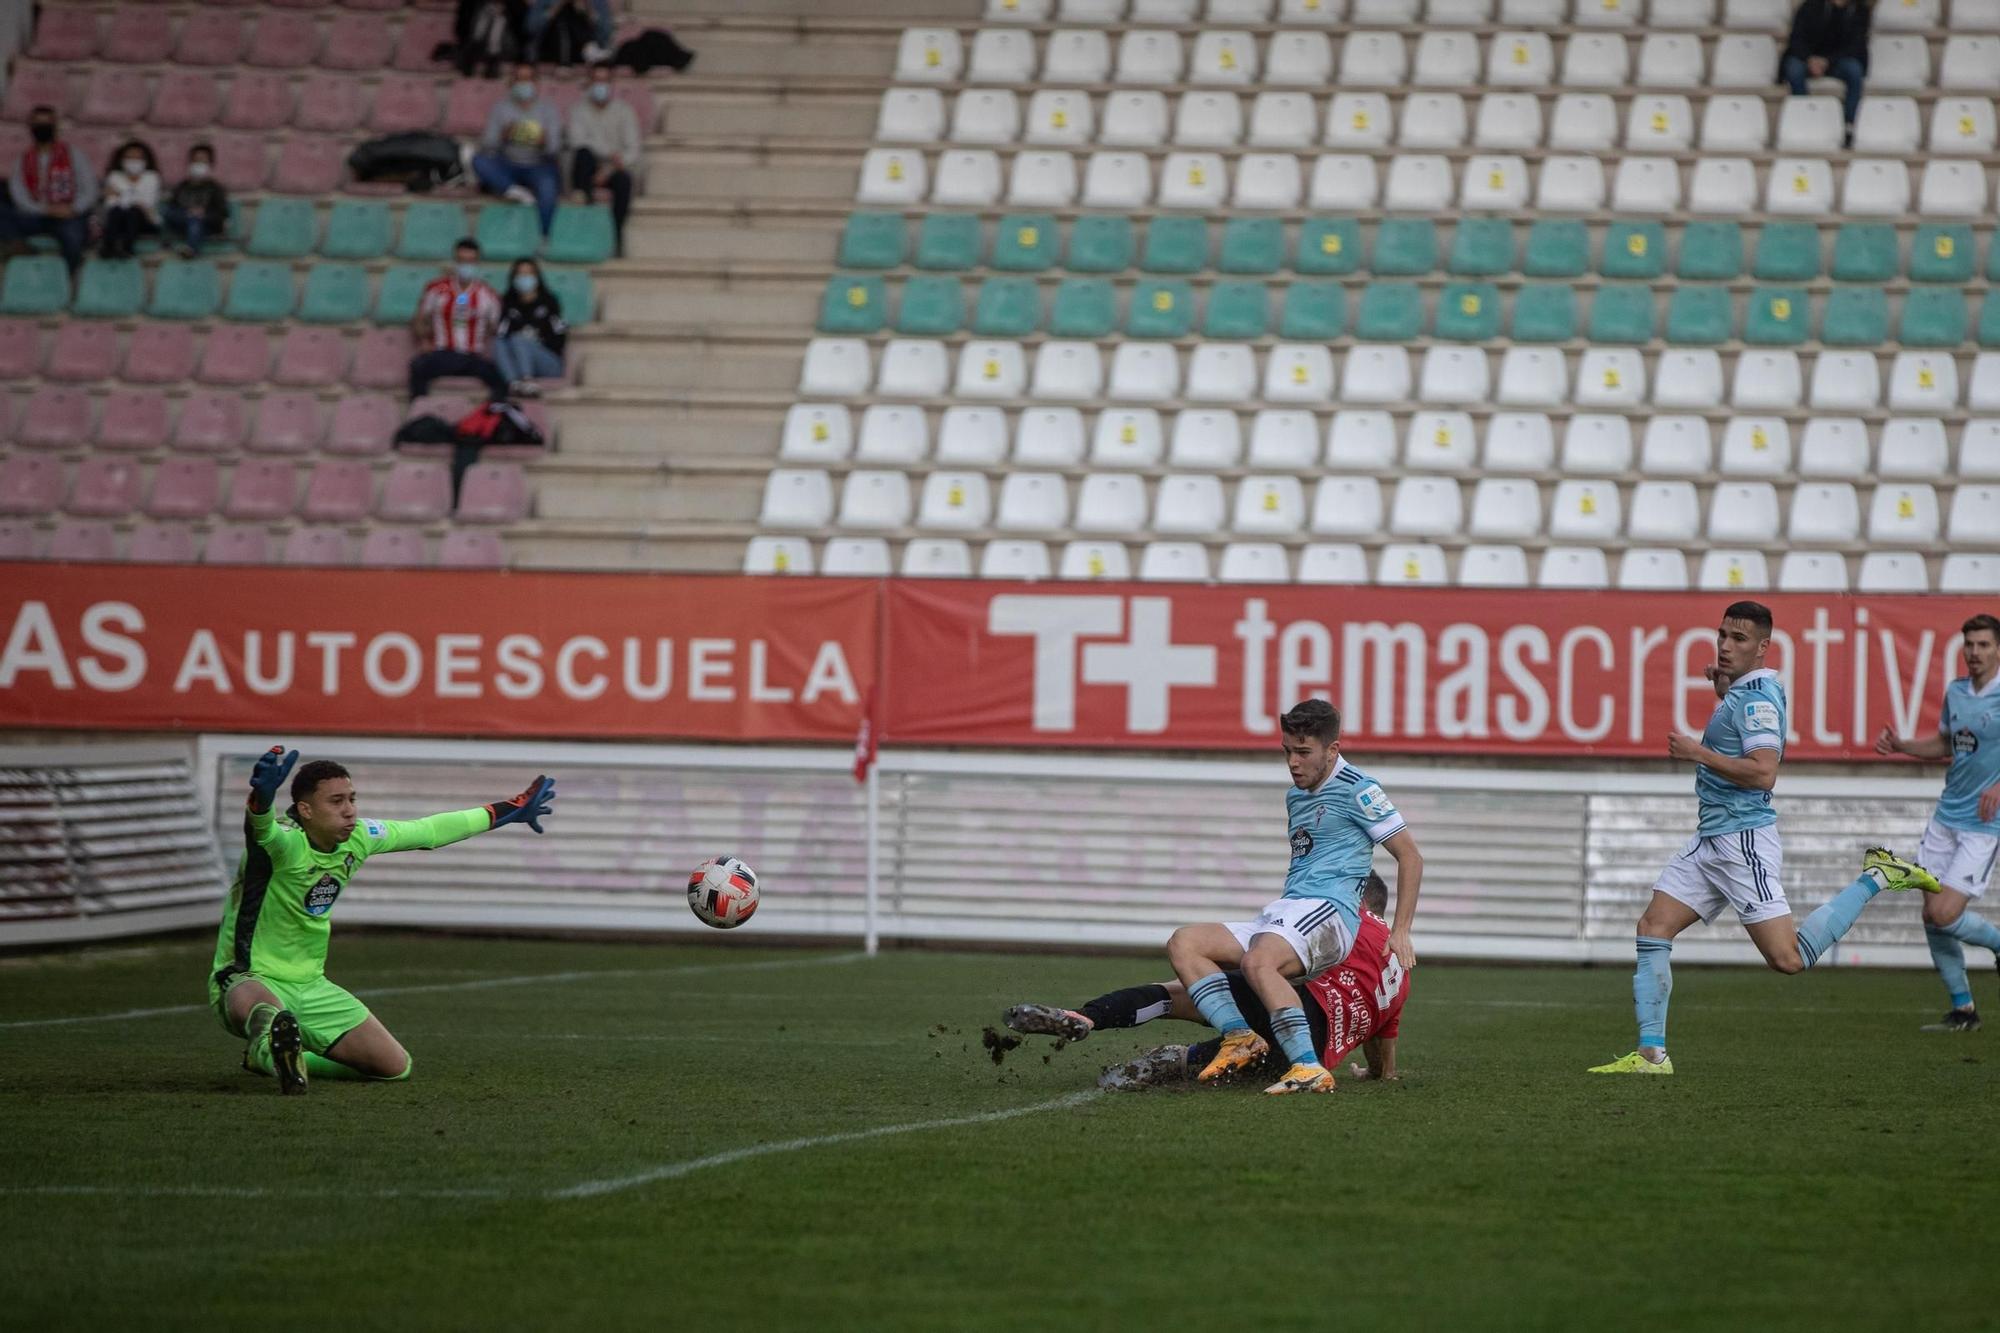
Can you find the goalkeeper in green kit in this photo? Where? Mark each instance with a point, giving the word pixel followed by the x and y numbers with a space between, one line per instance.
pixel 269 983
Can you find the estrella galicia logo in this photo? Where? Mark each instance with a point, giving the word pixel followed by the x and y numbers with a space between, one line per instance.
pixel 319 898
pixel 1302 842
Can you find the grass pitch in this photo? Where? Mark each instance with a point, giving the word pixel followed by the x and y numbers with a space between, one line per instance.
pixel 692 1138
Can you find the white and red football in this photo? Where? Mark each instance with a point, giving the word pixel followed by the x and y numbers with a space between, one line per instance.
pixel 723 892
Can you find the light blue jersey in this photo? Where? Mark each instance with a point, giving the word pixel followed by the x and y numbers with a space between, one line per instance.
pixel 1335 828
pixel 1751 716
pixel 1971 722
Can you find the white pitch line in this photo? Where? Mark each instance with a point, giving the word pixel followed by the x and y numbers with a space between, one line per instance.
pixel 590 1189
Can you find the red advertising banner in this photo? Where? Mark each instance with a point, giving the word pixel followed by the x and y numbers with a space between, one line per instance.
pixel 435 652
pixel 1412 669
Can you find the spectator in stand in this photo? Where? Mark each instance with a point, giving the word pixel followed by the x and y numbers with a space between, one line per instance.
pixel 532 332
pixel 131 199
pixel 454 325
pixel 52 191
pixel 1829 40
pixel 570 32
pixel 605 143
pixel 487 34
pixel 518 152
pixel 198 208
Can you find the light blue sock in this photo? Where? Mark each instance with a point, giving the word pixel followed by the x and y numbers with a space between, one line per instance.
pixel 1652 984
pixel 1218 1007
pixel 1948 956
pixel 1294 1034
pixel 1972 928
pixel 1823 929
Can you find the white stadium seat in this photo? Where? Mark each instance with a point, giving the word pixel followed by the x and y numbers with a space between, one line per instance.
pixel 1299 373
pixel 1043 178
pixel 835 368
pixel 1675 446
pixel 1127 437
pixel 1254 562
pixel 892 433
pixel 1494 184
pixel 1529 377
pixel 1410 562
pixel 1110 502
pixel 1000 55
pixel 970 177
pixel 1652 568
pixel 955 500
pixel 1799 186
pixel 911 115
pixel 1374 60
pixel 1979 450
pixel 1282 120
pixel 1884 125
pixel 1290 12
pixel 1519 442
pixel 1149 55
pixel 1268 181
pixel 1505 507
pixel 892 176
pixel 1089 11
pixel 1876 188
pixel 1670 60
pixel 1585 510
pixel 1892 571
pixel 1688 378
pixel 1595 443
pixel 1681 13
pixel 1455 375
pixel 1533 13
pixel 1607 13
pixel 1520 60
pixel 1923 382
pixel 1767 379
pixel 1664 511
pixel 1284 438
pixel 1909 15
pixel 1898 64
pixel 1743 511
pixel 1757 446
pixel 1223 57
pixel 1376 374
pixel 1333 562
pixel 1583 123
pixel 1440 442
pixel 1810 125
pixel 1418 183
pixel 1849 381
pixel 1970 64
pixel 1221 373
pixel 936 558
pixel 778 555
pixel 1459 12
pixel 1812 571
pixel 1120 181
pixel 1975 15
pixel 1493 567
pixel 1733 571
pixel 1068 371
pixel 1299 59
pixel 1196 181
pixel 1913 447
pixel 1362 441
pixel 1825 511
pixel 1057 118
pixel 1735 125
pixel 1188 503
pixel 1134 119
pixel 1570 185
pixel 1661 123
pixel 1173 562
pixel 1834 447
pixel 1269 505
pixel 1208 120
pixel 1049 437
pixel 986 369
pixel 972 436
pixel 1014 560
pixel 1744 60
pixel 1610 377
pixel 1951 189
pixel 1205 438
pixel 1722 185
pixel 1975 516
pixel 1962 125
pixel 1427 507
pixel 1596 60
pixel 1347 506
pixel 816 433
pixel 1646 185
pixel 1019 11
pixel 1032 502
pixel 987 115
pixel 1969 573
pixel 1343 181
pixel 1508 120
pixel 1076 56
pixel 796 498
pixel 1095 560
pixel 1358 120
pixel 1445 59
pixel 1433 120
pixel 872 499
pixel 929 55
pixel 1143 373
pixel 1385 13
pixel 1574 567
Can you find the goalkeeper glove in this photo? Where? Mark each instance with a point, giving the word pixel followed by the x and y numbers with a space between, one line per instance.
pixel 272 768
pixel 528 808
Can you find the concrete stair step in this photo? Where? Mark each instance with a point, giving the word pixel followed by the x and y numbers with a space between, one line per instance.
pixel 600 429
pixel 640 366
pixel 810 243
pixel 713 305
pixel 849 117
pixel 746 176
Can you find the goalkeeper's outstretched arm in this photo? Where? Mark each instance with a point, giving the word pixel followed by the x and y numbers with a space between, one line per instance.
pixel 442 830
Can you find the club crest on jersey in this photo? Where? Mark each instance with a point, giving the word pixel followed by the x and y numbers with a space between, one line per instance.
pixel 374 827
pixel 1964 741
pixel 1302 842
pixel 319 898
pixel 1374 802
pixel 348 867
pixel 1760 716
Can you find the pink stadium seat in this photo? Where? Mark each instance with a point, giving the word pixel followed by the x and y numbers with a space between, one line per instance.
pixel 185 99
pixel 159 354
pixel 240 161
pixel 381 359
pixel 262 488
pixel 138 36
pixel 309 166
pixel 309 356
pixel 493 493
pixel 339 491
pixel 467 105
pixel 362 424
pixel 106 486
pixel 20 344
pixel 36 85
pixel 358 41
pixel 210 36
pixel 233 545
pixel 211 422
pixel 564 94
pixel 80 540
pixel 404 104
pixel 395 548
pixel 471 548
pixel 448 406
pixel 65 34
pixel 184 488
pixel 640 96
pixel 133 419
pixel 416 492
pixel 113 97
pixel 17 540
pixel 235 354
pixel 287 423
pixel 56 417
pixel 329 103
pixel 420 35
pixel 83 351
pixel 30 484
pixel 373 4
pixel 161 544
pixel 284 41
pixel 318 546
pixel 258 101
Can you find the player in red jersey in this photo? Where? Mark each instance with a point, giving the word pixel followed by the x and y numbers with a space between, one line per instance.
pixel 1354 1005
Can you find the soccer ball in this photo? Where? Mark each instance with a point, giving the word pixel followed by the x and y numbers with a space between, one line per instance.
pixel 723 892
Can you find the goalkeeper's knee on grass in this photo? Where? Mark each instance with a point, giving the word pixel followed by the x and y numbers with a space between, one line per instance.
pixel 319 1066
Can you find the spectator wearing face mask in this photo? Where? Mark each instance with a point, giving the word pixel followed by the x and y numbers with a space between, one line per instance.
pixel 518 152
pixel 604 137
pixel 131 200
pixel 454 326
pixel 532 332
pixel 52 191
pixel 198 208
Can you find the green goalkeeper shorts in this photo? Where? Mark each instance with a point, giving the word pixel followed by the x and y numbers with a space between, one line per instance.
pixel 326 1013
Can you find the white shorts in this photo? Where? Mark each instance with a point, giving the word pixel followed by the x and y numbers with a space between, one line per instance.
pixel 1737 870
pixel 1316 928
pixel 1961 860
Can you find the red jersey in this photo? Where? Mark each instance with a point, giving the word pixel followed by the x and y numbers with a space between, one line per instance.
pixel 461 317
pixel 1362 997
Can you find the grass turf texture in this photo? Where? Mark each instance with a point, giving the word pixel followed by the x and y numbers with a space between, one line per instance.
pixel 1815 1163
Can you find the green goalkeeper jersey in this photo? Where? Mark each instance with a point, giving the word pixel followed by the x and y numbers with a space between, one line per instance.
pixel 275 921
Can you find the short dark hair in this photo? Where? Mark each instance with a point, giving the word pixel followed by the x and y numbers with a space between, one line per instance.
pixel 1982 621
pixel 1375 894
pixel 1315 718
pixel 1756 613
pixel 465 243
pixel 306 781
pixel 205 149
pixel 41 109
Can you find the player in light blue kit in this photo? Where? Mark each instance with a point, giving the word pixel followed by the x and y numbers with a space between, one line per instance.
pixel 1734 858
pixel 1962 839
pixel 1337 815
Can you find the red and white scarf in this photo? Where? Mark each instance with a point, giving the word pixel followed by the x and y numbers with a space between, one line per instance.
pixel 58 189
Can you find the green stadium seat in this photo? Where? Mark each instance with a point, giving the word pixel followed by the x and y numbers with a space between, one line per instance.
pixel 358 229
pixel 1252 245
pixel 1856 317
pixel 1943 252
pixel 1634 250
pixel 933 306
pixel 186 289
pixel 284 228
pixel 35 285
pixel 1329 245
pixel 1993 259
pixel 1711 252
pixel 1027 243
pixel 1313 312
pixel 1700 316
pixel 397 295
pixel 1864 252
pixel 948 242
pixel 1989 319
pixel 1100 244
pixel 1557 248
pixel 581 234
pixel 507 232
pixel 1160 308
pixel 1405 248
pixel 1778 317
pixel 873 240
pixel 1482 248
pixel 1786 252
pixel 854 303
pixel 1545 312
pixel 1622 314
pixel 1934 317
pixel 1390 312
pixel 335 294
pixel 430 228
pixel 260 292
pixel 1469 312
pixel 110 289
pixel 1005 307
pixel 1175 245
pixel 1084 307
pixel 1237 310
pixel 575 290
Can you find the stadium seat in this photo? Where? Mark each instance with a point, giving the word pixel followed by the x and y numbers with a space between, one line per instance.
pixel 1134 119
pixel 1283 438
pixel 1426 506
pixel 1141 373
pixel 875 499
pixel 1347 506
pixel 1962 125
pixel 1646 185
pixel 1329 562
pixel 970 177
pixel 109 289
pixel 1970 63
pixel 1096 244
pixel 1505 507
pixel 1519 442
pixel 1410 562
pixel 962 501
pixel 916 115
pixel 54 417
pixel 1570 185
pixel 835 368
pixel 1083 308
pixel 1221 373
pixel 1076 57
pixel 971 436
pixel 1432 120
pixel 1206 120
pixel 933 306
pixel 1876 189
pixel 1067 371
pixel 1812 125
pixel 987 368
pixel 1146 57
pixel 893 176
pixel 1056 118
pixel 1610 377
pixel 1652 568
pixel 1778 317
pixel 1529 377
pixel 1237 310
pixel 1734 125
pixel 1699 315
pixel 34 285
pixel 1892 571
pixel 1757 446
pixel 1299 373
pixel 936 558
pixel 1014 560
pixel 286 423
pixel 1049 437
pixel 1660 124
pixel 1094 560
pixel 1468 312
pixel 1942 252
pixel 1161 308
pixel 1343 181
pixel 1507 121
pixel 1856 317
pixel 1923 382
pixel 82 352
pixel 1454 375
pixel 867 240
pixel 929 55
pixel 1951 189
pixel 1597 443
pixel 1827 512
pixel 1903 515
pixel 1556 248
pixel 1969 573
pixel 855 557
pixel 889 433
pixel 1500 566
pixel 1363 441
pixel 1812 571
pixel 1127 437
pixel 133 419
pixel 764 555
pixel 1390 312
pixel 1269 505
pixel 1254 562
pixel 260 291
pixel 1544 313
pixel 1109 502
pixel 1634 250
pixel 1573 567
pixel 1845 380
pixel 1417 183
pixel 1722 185
pixel 1833 447
pixel 1743 512
pixel 234 355
pixel 1521 60
pixel 1117 181
pixel 1933 317
pixel 1664 511
pixel 1688 379
pixel 1585 510
pixel 1983 391
pixel 1281 120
